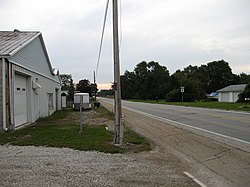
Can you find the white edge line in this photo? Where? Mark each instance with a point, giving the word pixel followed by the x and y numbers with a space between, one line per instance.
pixel 189 126
pixel 183 124
pixel 194 179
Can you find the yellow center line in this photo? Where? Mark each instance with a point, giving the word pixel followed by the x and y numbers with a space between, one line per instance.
pixel 225 117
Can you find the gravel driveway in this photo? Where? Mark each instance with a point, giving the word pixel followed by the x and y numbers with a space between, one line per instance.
pixel 44 166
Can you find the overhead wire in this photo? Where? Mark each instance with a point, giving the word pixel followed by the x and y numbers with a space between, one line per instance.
pixel 102 36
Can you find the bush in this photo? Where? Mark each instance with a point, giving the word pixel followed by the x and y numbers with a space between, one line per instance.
pixel 173 96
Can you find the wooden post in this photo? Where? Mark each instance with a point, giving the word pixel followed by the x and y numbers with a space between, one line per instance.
pixel 117 86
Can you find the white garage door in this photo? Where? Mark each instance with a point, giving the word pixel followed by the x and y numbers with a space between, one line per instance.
pixel 20 100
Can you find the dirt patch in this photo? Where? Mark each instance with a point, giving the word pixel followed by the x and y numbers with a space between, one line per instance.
pixel 90 117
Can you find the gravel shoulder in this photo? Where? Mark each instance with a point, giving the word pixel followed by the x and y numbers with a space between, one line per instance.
pixel 46 166
pixel 43 166
pixel 214 163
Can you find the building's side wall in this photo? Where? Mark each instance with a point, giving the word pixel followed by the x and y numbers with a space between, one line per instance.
pixel 33 57
pixel 1 96
pixel 38 99
pixel 231 97
pixel 223 96
pixel 235 96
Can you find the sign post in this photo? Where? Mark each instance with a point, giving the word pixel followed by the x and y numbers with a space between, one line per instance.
pixel 81 118
pixel 182 91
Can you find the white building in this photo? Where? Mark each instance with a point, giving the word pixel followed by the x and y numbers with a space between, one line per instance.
pixel 29 87
pixel 230 93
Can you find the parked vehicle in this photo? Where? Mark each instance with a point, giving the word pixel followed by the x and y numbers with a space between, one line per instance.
pixel 81 98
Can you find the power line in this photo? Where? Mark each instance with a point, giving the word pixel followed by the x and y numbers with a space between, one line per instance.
pixel 103 29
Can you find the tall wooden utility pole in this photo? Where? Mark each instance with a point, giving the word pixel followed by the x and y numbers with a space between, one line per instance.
pixel 95 87
pixel 118 133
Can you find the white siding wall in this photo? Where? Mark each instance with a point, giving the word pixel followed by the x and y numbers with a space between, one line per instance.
pixel 235 96
pixel 223 97
pixel 33 57
pixel 231 97
pixel 38 105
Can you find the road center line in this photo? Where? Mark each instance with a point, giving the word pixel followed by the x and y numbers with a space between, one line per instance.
pixel 194 179
pixel 179 124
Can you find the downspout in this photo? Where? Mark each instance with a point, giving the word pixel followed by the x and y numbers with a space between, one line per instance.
pixel 8 112
pixel 11 82
pixel 4 93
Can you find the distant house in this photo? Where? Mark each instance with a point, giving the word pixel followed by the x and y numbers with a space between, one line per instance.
pixel 29 87
pixel 230 93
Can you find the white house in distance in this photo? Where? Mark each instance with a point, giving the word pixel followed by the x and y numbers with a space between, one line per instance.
pixel 29 87
pixel 230 93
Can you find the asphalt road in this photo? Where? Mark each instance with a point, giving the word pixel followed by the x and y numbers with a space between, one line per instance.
pixel 229 124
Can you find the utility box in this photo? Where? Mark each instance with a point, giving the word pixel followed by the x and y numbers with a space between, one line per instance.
pixel 81 97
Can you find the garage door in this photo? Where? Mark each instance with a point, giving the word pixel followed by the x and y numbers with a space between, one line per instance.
pixel 20 100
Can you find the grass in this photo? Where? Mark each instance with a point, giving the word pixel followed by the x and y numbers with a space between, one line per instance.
pixel 105 113
pixel 214 105
pixel 59 130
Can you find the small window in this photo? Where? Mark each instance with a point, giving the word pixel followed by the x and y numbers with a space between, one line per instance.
pixel 23 89
pixel 18 89
pixel 50 101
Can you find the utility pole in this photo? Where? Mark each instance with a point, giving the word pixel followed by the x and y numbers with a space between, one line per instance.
pixel 118 133
pixel 95 87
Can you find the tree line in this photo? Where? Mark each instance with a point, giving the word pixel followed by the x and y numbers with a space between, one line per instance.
pixel 83 86
pixel 150 80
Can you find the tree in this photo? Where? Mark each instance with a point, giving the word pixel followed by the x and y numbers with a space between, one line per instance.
pixel 244 78
pixel 190 79
pixel 128 85
pixel 141 73
pixel 66 80
pixel 157 80
pixel 84 86
pixel 67 84
pixel 220 75
pixel 244 94
pixel 104 93
pixel 147 81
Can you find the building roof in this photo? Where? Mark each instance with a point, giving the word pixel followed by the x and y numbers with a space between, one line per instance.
pixel 233 88
pixel 11 42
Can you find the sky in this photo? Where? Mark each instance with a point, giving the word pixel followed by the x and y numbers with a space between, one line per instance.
pixel 175 33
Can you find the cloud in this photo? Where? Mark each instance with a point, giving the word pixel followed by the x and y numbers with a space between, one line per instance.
pixel 175 33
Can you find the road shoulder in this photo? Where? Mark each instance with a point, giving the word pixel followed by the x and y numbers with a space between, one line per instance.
pixel 212 162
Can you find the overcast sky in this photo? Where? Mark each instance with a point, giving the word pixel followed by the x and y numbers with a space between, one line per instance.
pixel 176 33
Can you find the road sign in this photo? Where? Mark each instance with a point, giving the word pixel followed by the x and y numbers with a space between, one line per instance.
pixel 182 89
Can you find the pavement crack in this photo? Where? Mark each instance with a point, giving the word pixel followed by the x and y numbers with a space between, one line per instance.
pixel 217 156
